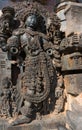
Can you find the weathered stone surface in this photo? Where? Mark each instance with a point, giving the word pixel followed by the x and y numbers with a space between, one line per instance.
pixel 48 123
pixel 36 126
pixel 38 76
pixel 74 117
pixel 73 83
pixel 61 6
pixel 3 124
pixel 36 70
pixel 77 105
pixel 72 61
pixel 74 18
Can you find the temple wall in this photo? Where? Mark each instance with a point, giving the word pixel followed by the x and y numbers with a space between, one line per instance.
pixel 70 14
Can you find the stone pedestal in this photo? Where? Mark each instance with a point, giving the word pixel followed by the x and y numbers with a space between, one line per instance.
pixel 47 123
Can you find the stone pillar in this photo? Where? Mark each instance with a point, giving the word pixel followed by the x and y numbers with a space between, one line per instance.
pixel 71 48
pixel 61 6
pixel 73 14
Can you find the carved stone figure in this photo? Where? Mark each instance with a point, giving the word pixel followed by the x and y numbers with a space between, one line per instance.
pixel 38 72
pixel 5 95
pixel 40 68
pixel 55 36
pixel 7 70
pixel 8 23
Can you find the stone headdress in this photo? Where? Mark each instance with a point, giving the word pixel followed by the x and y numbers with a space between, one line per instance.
pixel 25 8
pixel 33 8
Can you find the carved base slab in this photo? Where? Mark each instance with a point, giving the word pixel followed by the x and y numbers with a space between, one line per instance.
pixel 29 127
pixel 44 124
